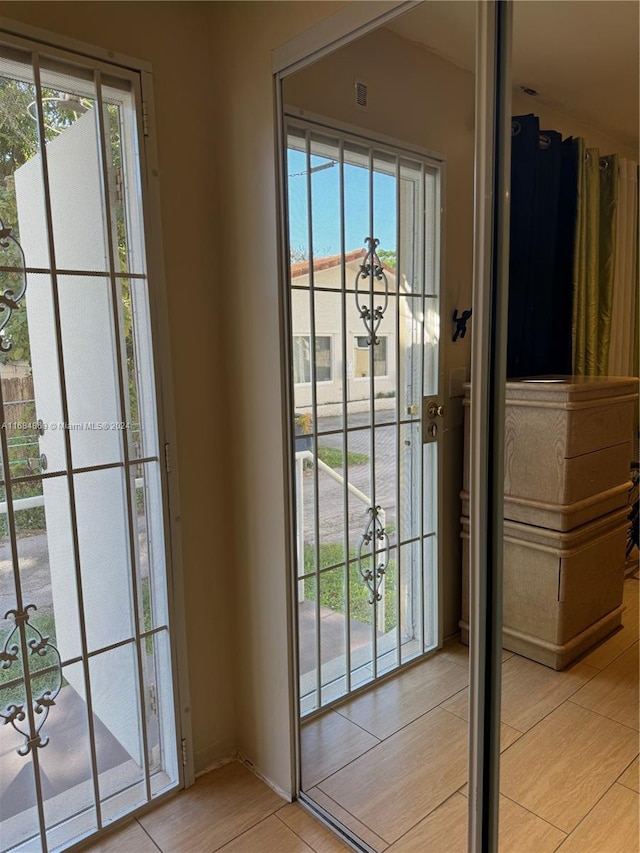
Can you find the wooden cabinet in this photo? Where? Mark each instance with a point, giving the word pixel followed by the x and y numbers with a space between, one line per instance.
pixel 567 454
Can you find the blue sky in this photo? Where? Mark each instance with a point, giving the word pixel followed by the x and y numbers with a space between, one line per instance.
pixel 325 191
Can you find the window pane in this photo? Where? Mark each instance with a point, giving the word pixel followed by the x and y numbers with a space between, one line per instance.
pixel 362 358
pixel 75 173
pixel 380 358
pixel 323 359
pixel 102 527
pixel 301 360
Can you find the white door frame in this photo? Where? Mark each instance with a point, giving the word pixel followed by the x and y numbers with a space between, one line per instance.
pixel 489 346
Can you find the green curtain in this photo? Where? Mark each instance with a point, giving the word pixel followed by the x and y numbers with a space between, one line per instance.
pixel 594 259
pixel 607 255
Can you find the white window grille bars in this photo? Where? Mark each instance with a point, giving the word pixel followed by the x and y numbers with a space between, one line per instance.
pixel 372 304
pixel 134 460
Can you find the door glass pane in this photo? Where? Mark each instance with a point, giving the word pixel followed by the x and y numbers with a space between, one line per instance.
pixel 160 720
pixel 387 615
pixel 81 495
pixel 431 332
pixel 68 103
pixel 90 367
pixel 325 195
pixel 409 590
pixel 102 529
pixel 137 352
pixel 358 338
pixel 65 763
pixel 124 183
pixel 119 749
pixel 332 627
pixel 146 499
pixel 45 557
pixel 410 342
pixel 18 808
pixel 309 640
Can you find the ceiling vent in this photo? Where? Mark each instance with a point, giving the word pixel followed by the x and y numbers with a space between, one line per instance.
pixel 361 95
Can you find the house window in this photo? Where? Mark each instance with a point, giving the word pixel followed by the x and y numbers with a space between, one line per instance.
pixel 302 359
pixel 361 357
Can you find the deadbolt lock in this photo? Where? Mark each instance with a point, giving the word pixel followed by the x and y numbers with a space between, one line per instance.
pixel 432 429
pixel 434 410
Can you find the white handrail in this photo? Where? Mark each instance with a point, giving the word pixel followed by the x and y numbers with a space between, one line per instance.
pixel 38 500
pixel 307 454
pixel 301 456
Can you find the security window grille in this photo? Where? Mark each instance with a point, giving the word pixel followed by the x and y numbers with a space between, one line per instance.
pixel 364 237
pixel 86 684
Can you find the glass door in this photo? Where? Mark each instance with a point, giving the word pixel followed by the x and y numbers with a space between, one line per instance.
pixel 364 237
pixel 86 694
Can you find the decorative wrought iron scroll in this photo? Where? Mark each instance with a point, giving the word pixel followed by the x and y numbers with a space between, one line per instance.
pixel 11 296
pixel 371 269
pixel 43 698
pixel 374 532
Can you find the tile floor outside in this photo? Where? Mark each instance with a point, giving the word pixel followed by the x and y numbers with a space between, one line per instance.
pixel 569 771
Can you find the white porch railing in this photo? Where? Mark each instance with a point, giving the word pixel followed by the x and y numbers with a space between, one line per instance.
pixel 38 500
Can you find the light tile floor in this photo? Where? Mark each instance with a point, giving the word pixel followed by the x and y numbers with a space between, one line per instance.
pixel 392 765
pixel 229 810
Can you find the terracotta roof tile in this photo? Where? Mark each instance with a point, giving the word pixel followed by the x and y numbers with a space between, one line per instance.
pixel 302 267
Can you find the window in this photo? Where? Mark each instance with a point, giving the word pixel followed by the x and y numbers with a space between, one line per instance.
pixel 302 359
pixel 361 357
pixel 82 467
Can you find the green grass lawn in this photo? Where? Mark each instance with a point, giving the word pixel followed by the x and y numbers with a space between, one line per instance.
pixel 332 456
pixel 332 585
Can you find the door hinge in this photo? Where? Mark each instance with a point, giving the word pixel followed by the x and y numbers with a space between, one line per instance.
pixel 145 120
pixel 167 458
pixel 184 752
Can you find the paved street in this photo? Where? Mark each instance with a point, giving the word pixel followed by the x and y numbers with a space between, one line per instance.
pixel 330 493
pixel 35 577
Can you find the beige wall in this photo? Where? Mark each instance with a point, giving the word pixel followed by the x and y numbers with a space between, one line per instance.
pixel 248 188
pixel 418 98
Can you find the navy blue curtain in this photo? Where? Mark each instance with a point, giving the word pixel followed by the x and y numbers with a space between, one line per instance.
pixel 543 205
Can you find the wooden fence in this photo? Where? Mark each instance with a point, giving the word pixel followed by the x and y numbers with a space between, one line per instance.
pixel 19 402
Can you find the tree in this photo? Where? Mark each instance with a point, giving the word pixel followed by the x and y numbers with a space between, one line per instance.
pixel 388 257
pixel 19 143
